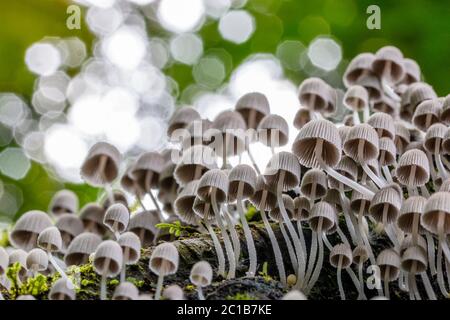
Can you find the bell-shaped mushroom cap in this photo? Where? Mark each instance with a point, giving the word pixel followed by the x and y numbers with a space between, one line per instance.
pixel 201 274
pixel 203 209
pixel 357 200
pixel 347 167
pixel 273 131
pixel 18 255
pixel 365 134
pixel 304 146
pixel 445 186
pixel 356 98
pixel 294 295
pixel 228 120
pixel 101 165
pixel 81 247
pixel 69 226
pixel 344 130
pixel 362 63
pixel 389 197
pixel 412 71
pixel 402 137
pixel 275 213
pixel 143 225
pixel 314 180
pixel 37 260
pixel 372 85
pixel 341 254
pixel 314 94
pixel 62 289
pixel 228 129
pixel 64 201
pixel 126 291
pixel 253 102
pixel 420 92
pixel 270 199
pixel 92 216
pixel 383 124
pixel 418 160
pixel 302 117
pixel 117 217
pixel 108 258
pixel 325 211
pixel 4 261
pixel 437 204
pixel 408 242
pixel 414 256
pixel 348 121
pixel 387 153
pixel 173 292
pixel 184 202
pixel 27 228
pixel 164 259
pixel 130 243
pixel 302 208
pixel 245 174
pixel 413 207
pixel 386 105
pixel 388 63
pixel 433 138
pixel 196 158
pixel 389 258
pixel 182 118
pixel 166 179
pixel 427 113
pixel 286 162
pixel 360 254
pixel 26 297
pixel 119 197
pixel 446 142
pixel 196 133
pixel 214 180
pixel 50 239
pixel 333 197
pixel 445 113
pixel 148 167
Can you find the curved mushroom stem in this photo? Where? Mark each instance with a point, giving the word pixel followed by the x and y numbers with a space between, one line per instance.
pixel 427 285
pixel 424 191
pixel 442 241
pixel 226 238
pixel 148 179
pixel 432 169
pixel 56 266
pixel 141 204
pixel 291 252
pixel 339 278
pixel 103 281
pixel 312 257
pixel 356 117
pixel 276 248
pixel 326 241
pixel 362 295
pixel 159 286
pixel 234 236
pixel 319 264
pixel 200 293
pixel 389 91
pixel 247 233
pixel 336 175
pixel 431 253
pixel 252 159
pixel 218 248
pixel 365 167
pixel 366 114
pixel 413 292
pixel 386 282
pixel 301 236
pixel 103 161
pixel 350 220
pixel 443 173
pixel 126 253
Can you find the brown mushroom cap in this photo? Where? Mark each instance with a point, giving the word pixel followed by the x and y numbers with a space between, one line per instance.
pixel 92 216
pixel 420 92
pixel 413 206
pixel 130 242
pixel 372 85
pixel 386 105
pixel 119 197
pixel 228 128
pixel 253 102
pixel 283 162
pixel 81 248
pixel 69 226
pixel 302 209
pixel 37 260
pixel 387 153
pixel 402 137
pixel 108 258
pixel 428 109
pixel 302 117
pixel 204 210
pixel 357 200
pixel 101 165
pixel 126 291
pixel 117 218
pixel 360 254
pixel 314 177
pixel 314 94
pixel 434 136
pixel 414 256
pixel 27 228
pixel 343 253
pixel 369 137
pixel 164 259
pixel 356 98
pixel 214 180
pixel 325 211
pixel 408 242
pixel 275 213
pixel 412 71
pixel 198 156
pixel 419 160
pixel 383 124
pixel 386 196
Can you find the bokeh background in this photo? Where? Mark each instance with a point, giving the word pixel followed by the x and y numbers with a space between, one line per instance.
pixel 133 62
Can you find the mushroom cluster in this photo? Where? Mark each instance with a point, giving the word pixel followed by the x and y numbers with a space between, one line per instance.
pixel 385 169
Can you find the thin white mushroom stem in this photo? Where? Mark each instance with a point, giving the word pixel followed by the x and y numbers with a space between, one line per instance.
pixel 312 256
pixel 442 240
pixel 103 280
pixel 431 253
pixel 336 175
pixel 413 292
pixel 386 281
pixel 387 173
pixel 159 286
pixel 197 172
pixel 389 91
pixel 366 114
pixel 224 152
pixel 432 169
pixel 126 253
pixel 252 159
pixel 415 229
pixel 56 266
pixel 437 156
pixel 275 246
pixel 290 248
pixel 339 278
pixel 102 164
pixel 247 232
pixel 427 284
pixel 217 247
pixel 424 191
pixel 233 233
pixel 326 241
pixel 350 220
pixel 301 236
pixel 319 263
pixel 226 238
pixel 365 167
pixel 356 117
pixel 362 295
pixel 200 293
pixel 148 179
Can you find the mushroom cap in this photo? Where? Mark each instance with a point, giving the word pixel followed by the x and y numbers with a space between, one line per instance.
pixel 408 242
pixel 389 258
pixel 369 137
pixel 414 256
pixel 126 291
pixel 197 156
pixel 347 121
pixel 69 224
pixel 372 85
pixel 383 124
pixel 183 204
pixel 362 63
pixel 145 222
pixel 37 259
pixel 283 162
pixel 427 109
pixel 412 71
pixel 18 255
pixel 273 131
pixel 314 177
pixel 388 63
pixel 402 137
pixel 128 182
pixel 294 295
pixel 341 251
pixel 360 254
pixel 314 94
pixel 302 117
pixel 4 261
pixel 420 92
pixel 203 209
pixel 81 247
pixel 201 274
pixel 242 173
pixel 260 188
pixel 101 165
pixel 108 258
pixel 50 239
pixel 325 211
pixel 387 152
pixel 333 197
pixel 275 213
pixel 166 178
pixel 302 208
pixel 445 186
pixel 406 162
pixel 412 207
pixel 434 137
pixel 437 204
pixel 117 218
pixel 445 113
pixel 148 163
pixel 92 216
pixel 446 142
pixel 196 133
pixel 214 180
pixel 307 138
pixel 164 259
pixel 26 297
pixel 357 200
pixel 386 105
pixel 173 292
pixel 63 201
pixel 344 130
pixel 387 196
pixel 62 289
pixel 347 167
pixel 118 196
pixel 130 241
pixel 253 102
pixel 229 131
pixel 27 229
pixel 181 118
pixel 356 98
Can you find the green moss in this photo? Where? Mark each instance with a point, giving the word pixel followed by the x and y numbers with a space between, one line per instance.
pixel 36 286
pixel 241 296
pixel 4 239
pixel 113 282
pixel 136 282
pixel 264 273
pixel 189 287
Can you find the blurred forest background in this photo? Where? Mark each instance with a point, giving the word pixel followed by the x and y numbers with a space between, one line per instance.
pixel 420 28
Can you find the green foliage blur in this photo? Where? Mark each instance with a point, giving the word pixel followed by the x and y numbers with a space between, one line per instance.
pixel 420 28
